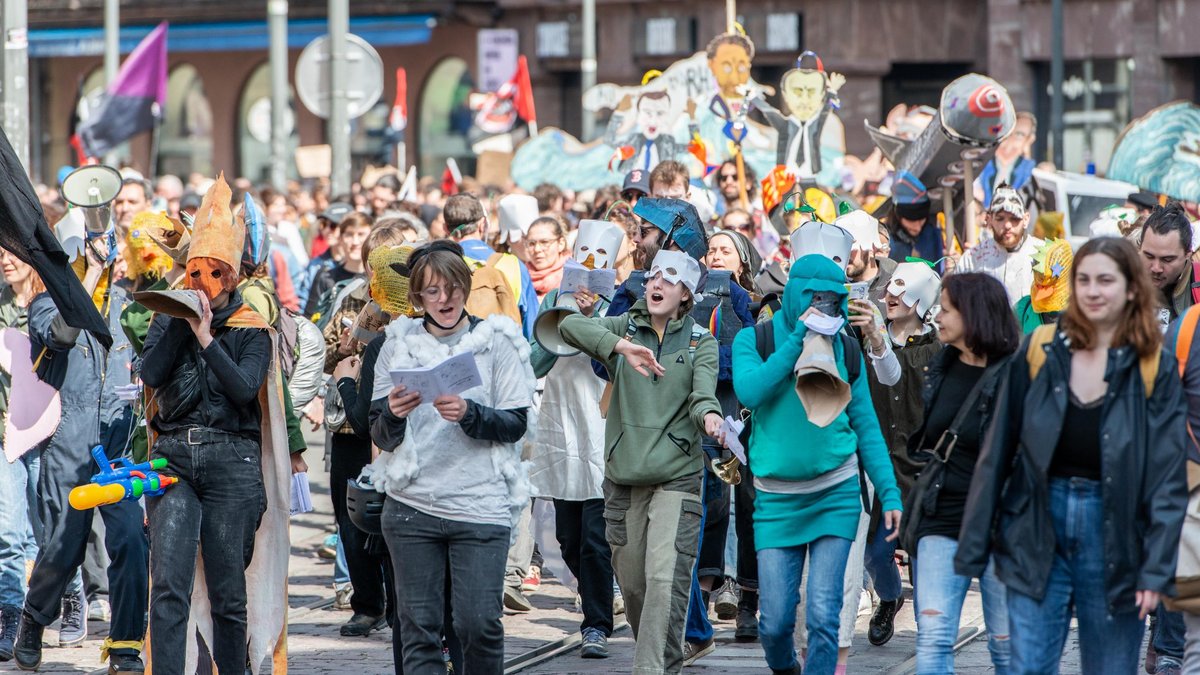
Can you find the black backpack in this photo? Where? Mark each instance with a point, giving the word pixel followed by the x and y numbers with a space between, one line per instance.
pixel 764 343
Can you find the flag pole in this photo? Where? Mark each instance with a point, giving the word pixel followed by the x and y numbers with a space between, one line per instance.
pixel 154 134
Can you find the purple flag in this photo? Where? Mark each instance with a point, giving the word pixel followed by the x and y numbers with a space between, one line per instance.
pixel 134 102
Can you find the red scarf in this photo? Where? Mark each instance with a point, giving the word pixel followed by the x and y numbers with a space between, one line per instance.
pixel 548 279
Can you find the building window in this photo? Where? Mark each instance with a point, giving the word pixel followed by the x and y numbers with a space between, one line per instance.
pixel 254 128
pixel 783 33
pixel 553 39
pixel 1096 107
pixel 660 36
pixel 185 136
pixel 445 118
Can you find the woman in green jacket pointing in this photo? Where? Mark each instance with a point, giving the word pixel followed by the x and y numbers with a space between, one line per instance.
pixel 664 369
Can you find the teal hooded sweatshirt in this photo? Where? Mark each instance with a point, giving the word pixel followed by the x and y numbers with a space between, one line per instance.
pixel 786 446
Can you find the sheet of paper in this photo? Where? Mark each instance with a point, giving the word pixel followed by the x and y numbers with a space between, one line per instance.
pixel 450 377
pixel 732 429
pixel 576 277
pixel 301 497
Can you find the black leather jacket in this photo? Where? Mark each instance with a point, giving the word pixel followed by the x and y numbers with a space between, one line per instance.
pixel 1144 484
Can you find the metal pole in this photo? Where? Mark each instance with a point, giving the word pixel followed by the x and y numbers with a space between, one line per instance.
pixel 277 11
pixel 112 40
pixel 16 78
pixel 587 65
pixel 1056 80
pixel 338 128
pixel 730 15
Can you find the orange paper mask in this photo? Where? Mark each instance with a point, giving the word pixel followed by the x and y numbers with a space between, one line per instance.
pixel 209 276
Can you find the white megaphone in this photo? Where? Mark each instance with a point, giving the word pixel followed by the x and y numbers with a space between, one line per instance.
pixel 545 329
pixel 92 188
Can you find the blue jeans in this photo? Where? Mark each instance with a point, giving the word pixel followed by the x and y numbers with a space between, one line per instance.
pixel 18 523
pixel 698 628
pixel 341 575
pixel 1108 643
pixel 779 574
pixel 940 594
pixel 1168 631
pixel 880 562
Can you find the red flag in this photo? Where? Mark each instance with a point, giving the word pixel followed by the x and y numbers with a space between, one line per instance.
pixel 451 178
pixel 524 95
pixel 398 119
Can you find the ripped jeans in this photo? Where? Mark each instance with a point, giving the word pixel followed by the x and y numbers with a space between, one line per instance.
pixel 939 599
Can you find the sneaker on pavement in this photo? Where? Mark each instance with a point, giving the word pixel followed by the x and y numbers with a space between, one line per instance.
pixel 125 663
pixel 361 625
pixel 515 600
pixel 74 628
pixel 726 601
pixel 342 594
pixel 595 644
pixel 883 624
pixel 10 618
pixel 693 651
pixel 328 548
pixel 618 600
pixel 99 610
pixel 28 652
pixel 533 580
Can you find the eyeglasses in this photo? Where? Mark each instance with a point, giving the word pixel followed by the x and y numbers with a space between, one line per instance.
pixel 740 227
pixel 433 293
pixel 728 176
pixel 532 244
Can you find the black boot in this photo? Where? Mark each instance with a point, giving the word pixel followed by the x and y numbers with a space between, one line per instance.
pixel 29 643
pixel 794 670
pixel 883 624
pixel 746 626
pixel 10 616
pixel 125 662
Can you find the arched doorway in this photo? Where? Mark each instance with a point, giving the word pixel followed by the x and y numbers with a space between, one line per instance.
pixel 445 118
pixel 254 128
pixel 185 136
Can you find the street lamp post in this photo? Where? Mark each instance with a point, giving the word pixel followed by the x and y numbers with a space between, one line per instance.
pixel 16 78
pixel 338 129
pixel 277 11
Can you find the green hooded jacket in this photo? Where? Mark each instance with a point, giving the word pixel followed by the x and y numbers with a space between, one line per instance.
pixel 654 426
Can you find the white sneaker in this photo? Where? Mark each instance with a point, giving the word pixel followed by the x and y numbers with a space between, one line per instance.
pixel 866 603
pixel 342 594
pixel 99 610
pixel 618 601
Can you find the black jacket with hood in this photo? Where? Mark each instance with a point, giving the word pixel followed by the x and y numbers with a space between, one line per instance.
pixel 1143 482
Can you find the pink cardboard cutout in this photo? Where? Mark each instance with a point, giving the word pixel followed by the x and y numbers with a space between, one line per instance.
pixel 34 408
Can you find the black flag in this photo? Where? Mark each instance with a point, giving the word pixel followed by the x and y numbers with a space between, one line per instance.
pixel 25 233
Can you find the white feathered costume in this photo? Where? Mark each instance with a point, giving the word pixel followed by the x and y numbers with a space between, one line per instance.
pixel 438 468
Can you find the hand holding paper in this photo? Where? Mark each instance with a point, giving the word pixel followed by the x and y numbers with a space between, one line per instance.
pixel 448 378
pixel 576 277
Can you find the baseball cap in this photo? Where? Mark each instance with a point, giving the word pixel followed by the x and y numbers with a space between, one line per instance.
pixel 1007 199
pixel 637 179
pixel 336 211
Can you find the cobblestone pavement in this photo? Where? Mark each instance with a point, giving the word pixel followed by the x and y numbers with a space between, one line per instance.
pixel 316 648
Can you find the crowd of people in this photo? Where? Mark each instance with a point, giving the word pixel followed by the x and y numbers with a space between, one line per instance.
pixel 780 406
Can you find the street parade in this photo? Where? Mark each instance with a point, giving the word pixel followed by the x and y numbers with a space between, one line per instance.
pixel 836 338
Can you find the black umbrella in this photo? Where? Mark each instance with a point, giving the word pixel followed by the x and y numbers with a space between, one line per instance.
pixel 25 233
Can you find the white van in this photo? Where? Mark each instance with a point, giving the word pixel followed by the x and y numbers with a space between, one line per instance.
pixel 1080 198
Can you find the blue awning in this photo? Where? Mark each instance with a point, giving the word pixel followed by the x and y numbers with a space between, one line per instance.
pixel 379 31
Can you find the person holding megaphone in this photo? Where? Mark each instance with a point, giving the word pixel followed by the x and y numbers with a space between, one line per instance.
pixel 567 461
